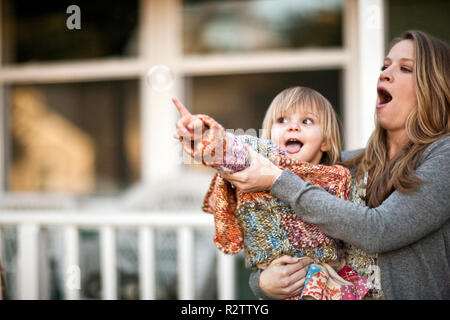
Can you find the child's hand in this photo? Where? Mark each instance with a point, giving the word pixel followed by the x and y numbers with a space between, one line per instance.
pixel 258 177
pixel 186 126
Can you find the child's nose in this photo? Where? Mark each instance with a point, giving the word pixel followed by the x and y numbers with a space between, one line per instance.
pixel 294 126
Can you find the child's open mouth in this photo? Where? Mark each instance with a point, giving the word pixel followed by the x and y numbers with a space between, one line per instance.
pixel 293 145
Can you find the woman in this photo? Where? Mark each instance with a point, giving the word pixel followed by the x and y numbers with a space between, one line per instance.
pixel 406 165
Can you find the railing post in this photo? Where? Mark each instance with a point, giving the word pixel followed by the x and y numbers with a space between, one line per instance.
pixel 147 263
pixel 185 255
pixel 108 264
pixel 225 276
pixel 28 273
pixel 72 272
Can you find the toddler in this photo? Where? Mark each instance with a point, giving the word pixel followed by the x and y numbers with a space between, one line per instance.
pixel 300 132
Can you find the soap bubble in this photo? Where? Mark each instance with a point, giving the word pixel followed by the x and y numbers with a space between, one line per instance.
pixel 160 78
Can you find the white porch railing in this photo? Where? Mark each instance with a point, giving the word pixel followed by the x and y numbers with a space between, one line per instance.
pixel 29 224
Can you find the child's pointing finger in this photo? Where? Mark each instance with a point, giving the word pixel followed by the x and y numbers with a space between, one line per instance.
pixel 181 108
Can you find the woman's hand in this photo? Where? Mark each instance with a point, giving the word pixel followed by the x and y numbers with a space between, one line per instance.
pixel 258 177
pixel 284 277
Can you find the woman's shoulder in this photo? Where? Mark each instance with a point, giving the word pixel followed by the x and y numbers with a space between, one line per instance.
pixel 440 147
pixel 441 144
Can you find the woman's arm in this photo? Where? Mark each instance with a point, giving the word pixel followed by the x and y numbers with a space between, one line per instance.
pixel 400 220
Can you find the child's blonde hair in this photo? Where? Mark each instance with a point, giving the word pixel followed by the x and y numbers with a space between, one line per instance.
pixel 308 100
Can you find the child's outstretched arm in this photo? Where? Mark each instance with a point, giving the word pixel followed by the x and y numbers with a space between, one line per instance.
pixel 186 126
pixel 206 141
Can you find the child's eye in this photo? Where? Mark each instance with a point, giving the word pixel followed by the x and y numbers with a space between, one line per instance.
pixel 282 120
pixel 383 68
pixel 307 121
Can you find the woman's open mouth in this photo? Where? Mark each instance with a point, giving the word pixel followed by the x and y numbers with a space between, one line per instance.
pixel 384 97
pixel 293 145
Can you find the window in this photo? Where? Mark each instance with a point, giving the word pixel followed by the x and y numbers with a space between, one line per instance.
pixel 238 26
pixel 77 138
pixel 430 16
pixel 241 101
pixel 63 134
pixel 36 30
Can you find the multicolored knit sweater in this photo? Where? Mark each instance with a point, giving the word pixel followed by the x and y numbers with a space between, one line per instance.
pixel 263 225
pixel 258 222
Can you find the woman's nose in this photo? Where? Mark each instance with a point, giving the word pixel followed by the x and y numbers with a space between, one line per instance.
pixel 386 75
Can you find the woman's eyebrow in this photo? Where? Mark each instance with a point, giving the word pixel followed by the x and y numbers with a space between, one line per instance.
pixel 401 59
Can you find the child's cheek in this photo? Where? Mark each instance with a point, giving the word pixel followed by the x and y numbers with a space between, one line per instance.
pixel 275 136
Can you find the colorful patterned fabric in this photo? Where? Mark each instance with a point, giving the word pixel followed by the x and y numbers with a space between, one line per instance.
pixel 323 283
pixel 364 264
pixel 359 286
pixel 313 271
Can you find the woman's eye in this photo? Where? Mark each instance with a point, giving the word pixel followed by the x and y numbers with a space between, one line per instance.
pixel 282 120
pixel 383 68
pixel 307 121
pixel 405 69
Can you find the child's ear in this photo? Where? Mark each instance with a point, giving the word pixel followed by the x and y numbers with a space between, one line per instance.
pixel 325 146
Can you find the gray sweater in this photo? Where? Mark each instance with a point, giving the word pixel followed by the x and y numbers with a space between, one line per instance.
pixel 410 232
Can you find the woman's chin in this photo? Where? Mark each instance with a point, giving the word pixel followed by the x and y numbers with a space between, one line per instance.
pixel 383 117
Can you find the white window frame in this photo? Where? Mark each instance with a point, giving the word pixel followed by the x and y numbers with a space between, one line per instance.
pixel 160 23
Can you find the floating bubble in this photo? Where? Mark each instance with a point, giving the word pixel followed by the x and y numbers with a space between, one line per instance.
pixel 160 78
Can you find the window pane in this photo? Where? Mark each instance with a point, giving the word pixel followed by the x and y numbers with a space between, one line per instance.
pixel 241 101
pixel 432 16
pixel 37 30
pixel 254 25
pixel 78 138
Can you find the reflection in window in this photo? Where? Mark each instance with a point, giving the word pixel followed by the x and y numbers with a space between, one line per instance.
pixel 37 31
pixel 244 99
pixel 431 16
pixel 252 25
pixel 79 138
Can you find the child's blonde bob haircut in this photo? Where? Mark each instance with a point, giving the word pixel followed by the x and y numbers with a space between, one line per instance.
pixel 307 100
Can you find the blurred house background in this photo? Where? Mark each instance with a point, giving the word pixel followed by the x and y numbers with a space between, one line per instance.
pixel 90 176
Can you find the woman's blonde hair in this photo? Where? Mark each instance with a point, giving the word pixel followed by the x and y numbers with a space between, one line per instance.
pixel 424 125
pixel 307 100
